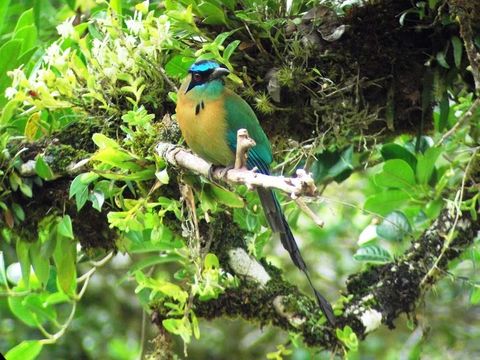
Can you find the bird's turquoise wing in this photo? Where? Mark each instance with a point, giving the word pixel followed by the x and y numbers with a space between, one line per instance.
pixel 240 115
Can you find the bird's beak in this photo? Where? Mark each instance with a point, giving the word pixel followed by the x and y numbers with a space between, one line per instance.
pixel 218 73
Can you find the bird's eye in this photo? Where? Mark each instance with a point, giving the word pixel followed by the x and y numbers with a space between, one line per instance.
pixel 197 77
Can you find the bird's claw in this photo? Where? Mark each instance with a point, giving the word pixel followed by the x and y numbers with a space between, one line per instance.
pixel 223 171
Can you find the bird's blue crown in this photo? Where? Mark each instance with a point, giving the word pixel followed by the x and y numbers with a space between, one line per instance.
pixel 204 65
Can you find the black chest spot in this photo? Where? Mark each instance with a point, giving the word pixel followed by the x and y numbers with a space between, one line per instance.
pixel 199 106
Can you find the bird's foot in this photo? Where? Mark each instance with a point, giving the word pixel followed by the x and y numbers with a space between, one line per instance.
pixel 223 171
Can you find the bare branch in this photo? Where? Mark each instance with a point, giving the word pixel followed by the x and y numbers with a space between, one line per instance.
pixel 302 185
pixel 244 143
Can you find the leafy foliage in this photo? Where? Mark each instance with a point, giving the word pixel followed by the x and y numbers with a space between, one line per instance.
pixel 118 66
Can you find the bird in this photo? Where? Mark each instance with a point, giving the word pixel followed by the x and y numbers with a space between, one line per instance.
pixel 209 115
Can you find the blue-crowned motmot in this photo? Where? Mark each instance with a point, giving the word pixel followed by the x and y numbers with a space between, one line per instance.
pixel 209 115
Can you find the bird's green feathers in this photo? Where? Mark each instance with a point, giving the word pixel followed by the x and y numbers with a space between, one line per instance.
pixel 240 115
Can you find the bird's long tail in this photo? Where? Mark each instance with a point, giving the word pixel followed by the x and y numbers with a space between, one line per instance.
pixel 276 220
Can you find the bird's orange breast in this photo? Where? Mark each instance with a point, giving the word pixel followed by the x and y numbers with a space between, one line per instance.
pixel 204 128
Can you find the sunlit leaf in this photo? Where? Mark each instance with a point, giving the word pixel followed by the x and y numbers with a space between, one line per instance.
pixel 26 350
pixel 368 234
pixel 426 164
pixel 475 295
pixel 42 169
pixel 104 142
pixel 178 66
pixel 385 202
pixel 64 227
pixel 396 173
pixel 21 312
pixel 211 261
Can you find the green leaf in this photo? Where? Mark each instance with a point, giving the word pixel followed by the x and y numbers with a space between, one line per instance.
pixel 42 169
pixel 396 173
pixel 79 189
pixel 40 263
pixel 35 303
pixel 94 32
pixel 441 60
pixel 154 260
pixel 179 327
pixel 385 202
pixel 76 186
pixel 28 36
pixel 26 350
pixel 373 254
pixel 227 53
pixel 395 151
pixel 213 15
pixel 394 227
pixel 220 39
pixel 15 304
pixel 3 275
pixel 64 257
pixel 367 235
pixel 8 110
pixel 336 165
pixel 226 197
pixel 81 198
pixel 348 337
pixel 3 13
pixel 211 261
pixel 162 176
pixel 457 51
pixel 444 108
pixel 116 157
pixel 65 228
pixel 178 66
pixel 475 295
pixel 56 298
pixel 116 6
pixel 104 142
pixel 195 327
pixel 22 248
pixel 25 19
pixel 9 54
pixel 147 246
pixel 18 211
pixel 426 164
pixel 97 198
pixel 26 189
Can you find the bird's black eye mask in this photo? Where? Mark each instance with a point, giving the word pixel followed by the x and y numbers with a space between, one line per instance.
pixel 198 78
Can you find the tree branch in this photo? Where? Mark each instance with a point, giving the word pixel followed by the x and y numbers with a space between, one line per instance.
pixel 302 185
pixel 375 296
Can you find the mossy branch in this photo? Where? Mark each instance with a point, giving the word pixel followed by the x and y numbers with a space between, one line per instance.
pixel 375 296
